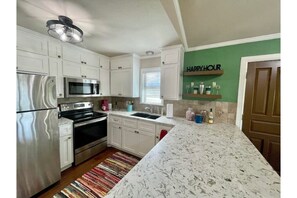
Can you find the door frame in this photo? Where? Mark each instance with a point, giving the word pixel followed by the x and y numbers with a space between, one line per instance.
pixel 242 81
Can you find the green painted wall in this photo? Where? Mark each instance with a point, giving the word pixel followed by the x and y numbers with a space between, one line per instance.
pixel 229 57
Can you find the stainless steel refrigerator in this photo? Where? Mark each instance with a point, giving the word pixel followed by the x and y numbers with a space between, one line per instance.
pixel 38 159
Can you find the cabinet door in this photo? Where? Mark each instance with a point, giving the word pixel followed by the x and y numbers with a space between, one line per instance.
pixel 146 142
pixel 71 53
pixel 121 82
pixel 170 56
pixel 130 140
pixel 71 69
pixel 116 135
pixel 31 42
pixel 121 62
pixel 33 63
pixel 104 62
pixel 104 82
pixel 89 58
pixel 169 82
pixel 55 69
pixel 66 151
pixel 90 72
pixel 54 49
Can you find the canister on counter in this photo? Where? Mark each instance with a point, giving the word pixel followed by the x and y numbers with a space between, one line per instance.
pixel 208 90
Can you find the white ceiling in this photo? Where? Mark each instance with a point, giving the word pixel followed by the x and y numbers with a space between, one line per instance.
pixel 114 27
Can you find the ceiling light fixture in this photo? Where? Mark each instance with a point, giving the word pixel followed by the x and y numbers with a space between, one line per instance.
pixel 64 30
pixel 149 53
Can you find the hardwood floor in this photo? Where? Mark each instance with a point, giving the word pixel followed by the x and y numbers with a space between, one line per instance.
pixel 72 173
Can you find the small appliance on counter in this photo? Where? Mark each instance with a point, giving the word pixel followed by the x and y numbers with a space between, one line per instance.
pixel 104 105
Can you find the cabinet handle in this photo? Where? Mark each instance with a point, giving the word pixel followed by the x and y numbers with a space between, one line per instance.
pixel 119 67
pixel 119 94
pixel 100 66
pixel 163 62
pixel 136 131
pixel 120 127
pixel 59 56
pixel 161 96
pixel 69 138
pixel 85 62
pixel 82 62
pixel 60 94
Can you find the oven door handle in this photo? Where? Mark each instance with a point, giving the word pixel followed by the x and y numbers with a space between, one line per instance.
pixel 89 122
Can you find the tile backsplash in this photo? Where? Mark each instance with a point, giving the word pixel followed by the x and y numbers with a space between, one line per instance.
pixel 224 112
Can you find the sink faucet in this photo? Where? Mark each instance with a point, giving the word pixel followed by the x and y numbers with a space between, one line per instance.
pixel 149 109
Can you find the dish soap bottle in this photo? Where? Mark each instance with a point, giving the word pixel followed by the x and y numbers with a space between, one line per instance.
pixel 210 117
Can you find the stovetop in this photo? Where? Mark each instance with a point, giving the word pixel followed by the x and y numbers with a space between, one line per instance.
pixel 80 111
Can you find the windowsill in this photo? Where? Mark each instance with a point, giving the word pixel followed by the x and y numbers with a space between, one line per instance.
pixel 160 105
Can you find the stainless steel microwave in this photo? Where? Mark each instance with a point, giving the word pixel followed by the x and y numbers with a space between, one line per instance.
pixel 75 87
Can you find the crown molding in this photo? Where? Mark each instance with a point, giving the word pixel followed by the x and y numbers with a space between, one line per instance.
pixel 235 42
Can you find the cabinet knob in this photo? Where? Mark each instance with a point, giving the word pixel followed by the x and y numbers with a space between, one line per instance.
pixel 120 127
pixel 101 66
pixel 136 131
pixel 60 94
pixel 119 67
pixel 161 96
pixel 59 56
pixel 157 137
pixel 82 62
pixel 69 138
pixel 163 62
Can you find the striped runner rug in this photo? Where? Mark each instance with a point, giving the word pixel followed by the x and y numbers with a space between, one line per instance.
pixel 101 179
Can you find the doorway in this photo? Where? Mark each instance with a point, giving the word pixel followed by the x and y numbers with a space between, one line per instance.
pixel 261 114
pixel 241 94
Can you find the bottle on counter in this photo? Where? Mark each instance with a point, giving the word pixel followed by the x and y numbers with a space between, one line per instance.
pixel 210 117
pixel 189 114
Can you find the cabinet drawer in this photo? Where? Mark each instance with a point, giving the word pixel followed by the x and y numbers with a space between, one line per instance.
pixel 146 126
pixel 131 123
pixel 115 119
pixel 65 129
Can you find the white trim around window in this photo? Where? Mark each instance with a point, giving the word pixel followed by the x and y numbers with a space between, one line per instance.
pixel 150 91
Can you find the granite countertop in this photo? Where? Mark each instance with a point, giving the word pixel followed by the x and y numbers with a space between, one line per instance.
pixel 199 160
pixel 63 121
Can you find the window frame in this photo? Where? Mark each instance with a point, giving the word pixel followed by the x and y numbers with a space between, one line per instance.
pixel 142 72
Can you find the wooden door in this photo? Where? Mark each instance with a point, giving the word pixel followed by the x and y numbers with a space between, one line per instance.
pixel 261 118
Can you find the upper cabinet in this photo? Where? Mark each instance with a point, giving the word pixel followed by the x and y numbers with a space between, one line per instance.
pixel 55 48
pixel 125 75
pixel 104 62
pixel 32 63
pixel 172 59
pixel 79 55
pixel 31 41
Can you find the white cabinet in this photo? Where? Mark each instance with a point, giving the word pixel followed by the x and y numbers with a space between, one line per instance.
pixel 55 69
pixel 54 48
pixel 76 70
pixel 79 55
pixel 31 62
pixel 66 145
pixel 104 62
pixel 159 128
pixel 124 79
pixel 104 76
pixel 172 59
pixel 138 137
pixel 114 136
pixel 31 41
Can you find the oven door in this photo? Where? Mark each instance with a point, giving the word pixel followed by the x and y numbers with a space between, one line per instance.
pixel 81 87
pixel 89 133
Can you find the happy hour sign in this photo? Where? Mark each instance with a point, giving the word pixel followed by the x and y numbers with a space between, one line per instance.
pixel 203 68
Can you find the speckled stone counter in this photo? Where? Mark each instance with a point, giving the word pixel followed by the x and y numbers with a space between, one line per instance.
pixel 63 121
pixel 200 160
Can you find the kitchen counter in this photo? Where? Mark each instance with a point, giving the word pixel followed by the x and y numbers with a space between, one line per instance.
pixel 63 121
pixel 199 160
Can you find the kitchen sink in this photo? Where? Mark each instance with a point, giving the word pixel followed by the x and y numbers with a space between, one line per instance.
pixel 145 115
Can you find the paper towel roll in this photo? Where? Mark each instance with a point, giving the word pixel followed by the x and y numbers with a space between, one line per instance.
pixel 169 111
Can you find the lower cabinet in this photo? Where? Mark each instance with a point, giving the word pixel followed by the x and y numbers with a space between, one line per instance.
pixel 131 135
pixel 116 135
pixel 66 146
